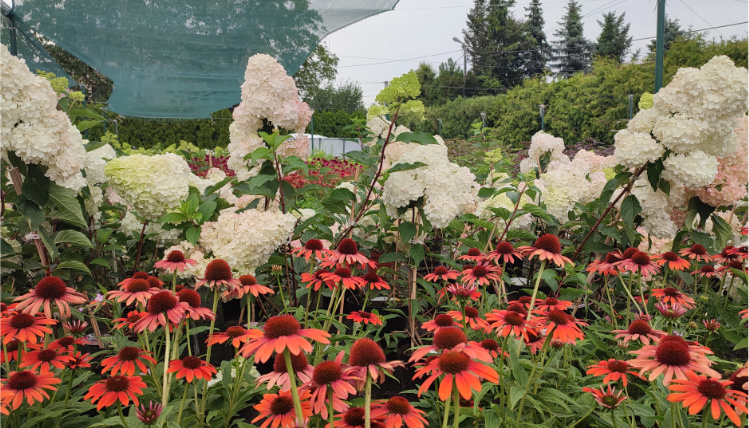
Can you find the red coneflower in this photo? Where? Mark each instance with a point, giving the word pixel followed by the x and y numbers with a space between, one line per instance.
pixel 463 292
pixel 125 361
pixel 459 366
pixel 563 327
pixel 525 301
pixel 706 271
pixel 629 252
pixel 519 307
pixel 504 253
pixel 281 332
pixel 175 260
pixel 452 339
pixel 348 253
pixel 472 255
pixel 47 291
pixel 440 321
pixel 76 327
pixel 250 285
pixel 739 379
pixel 218 274
pixel 12 349
pixel 163 307
pixel 640 262
pixel 606 266
pixel 195 310
pixel 696 252
pixel 672 260
pixel 365 318
pixel 534 342
pixel 546 247
pixel 191 368
pixel 473 318
pixel 129 320
pixel 711 325
pixel 67 343
pixel 122 388
pixel 672 312
pixel 695 392
pixel 481 274
pixel 336 376
pixel 236 333
pixel 27 385
pixel 351 418
pixel 441 273
pixel 739 266
pixel 313 247
pixel 639 330
pixel 342 276
pixel 78 361
pixel 492 346
pixel 613 370
pixel 315 280
pixel 374 281
pixel 365 356
pixel 280 377
pixel 149 415
pixel 136 290
pixel 155 282
pixel 278 409
pixel 672 295
pixel 608 398
pixel 43 359
pixel 506 323
pixel 136 275
pixel 672 357
pixel 24 327
pixel 553 303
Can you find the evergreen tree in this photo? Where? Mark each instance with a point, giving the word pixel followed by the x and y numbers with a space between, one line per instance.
pixel 539 50
pixel 672 30
pixel 475 37
pixel 425 74
pixel 347 97
pixel 319 67
pixel 614 41
pixel 448 84
pixel 572 53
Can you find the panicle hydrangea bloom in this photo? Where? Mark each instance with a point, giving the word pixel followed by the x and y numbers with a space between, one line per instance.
pixel 730 183
pixel 246 240
pixel 542 142
pixel 565 183
pixel 692 170
pixel 634 149
pixel 32 126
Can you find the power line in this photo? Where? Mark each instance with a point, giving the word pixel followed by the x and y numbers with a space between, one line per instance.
pixel 698 15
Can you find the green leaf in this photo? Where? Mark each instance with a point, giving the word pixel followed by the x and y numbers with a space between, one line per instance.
pixel 390 257
pixel 211 189
pixel 67 203
pixel 598 247
pixel 93 145
pixel 72 237
pixel 630 208
pixel 259 153
pixel 486 192
pixel 722 231
pixel 72 264
pixel 192 234
pixel 417 254
pixel 87 124
pixel 342 194
pixel 296 164
pixel 407 231
pixel 100 262
pixel 174 218
pixel 516 393
pixel 5 248
pixel 536 211
pixel 35 185
pixel 206 210
pixel 274 140
pixel 416 137
pixel 654 173
pixel 405 167
pixel 30 210
pixel 191 205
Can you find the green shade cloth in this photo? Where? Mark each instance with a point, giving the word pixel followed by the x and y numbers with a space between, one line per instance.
pixel 186 58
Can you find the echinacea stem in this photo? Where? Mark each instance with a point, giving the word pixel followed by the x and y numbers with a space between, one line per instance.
pixel 674 414
pixel 642 293
pixel 165 388
pixel 182 405
pixel 292 382
pixel 535 289
pixel 613 419
pixel 456 399
pixel 611 302
pixel 368 401
pixel 705 416
pixel 70 388
pixel 122 417
pixel 447 412
pixel 174 280
pixel 208 351
pixel 542 359
pixel 331 419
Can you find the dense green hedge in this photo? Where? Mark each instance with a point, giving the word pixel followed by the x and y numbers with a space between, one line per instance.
pixel 331 123
pixel 592 105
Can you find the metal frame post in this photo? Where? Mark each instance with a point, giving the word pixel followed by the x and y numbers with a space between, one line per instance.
pixel 631 102
pixel 659 45
pixel 542 111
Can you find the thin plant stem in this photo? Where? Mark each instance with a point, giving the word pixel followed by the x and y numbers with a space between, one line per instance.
pixel 446 414
pixel 70 388
pixel 208 351
pixel 182 405
pixel 292 382
pixel 583 418
pixel 187 336
pixel 174 280
pixel 165 390
pixel 456 403
pixel 611 302
pixel 542 358
pixel 674 415
pixel 368 401
pixel 535 289
pixel 613 419
pixel 122 417
pixel 280 291
pixel 705 416
pixel 642 294
pixel 331 418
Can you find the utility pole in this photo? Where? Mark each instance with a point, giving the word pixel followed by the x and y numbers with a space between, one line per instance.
pixel 659 45
pixel 465 63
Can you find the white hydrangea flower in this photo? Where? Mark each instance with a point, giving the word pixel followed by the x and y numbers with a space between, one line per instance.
pixel 634 149
pixel 692 170
pixel 643 121
pixel 542 142
pixel 527 165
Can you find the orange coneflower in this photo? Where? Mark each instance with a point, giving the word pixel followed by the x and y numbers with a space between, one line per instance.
pixel 459 366
pixel 342 276
pixel 462 292
pixel 109 391
pixel 492 346
pixel 339 378
pixel 136 275
pixel 129 320
pixel 250 285
pixel 639 330
pixel 365 318
pixel 191 368
pixel 608 398
pixel 520 305
pixel 78 361
pixel 672 295
pixel 504 253
pixel 24 327
pixel 26 385
pixel 506 323
pixel 696 252
pixel 50 289
pixel 711 325
pixel 440 321
pixel 695 392
pixel 155 282
pixel 374 281
pixel 218 274
pixel 76 327
pixel 366 356
pixel 313 247
pixel 441 273
pixel 236 333
pixel 546 247
pixel 347 253
pixel 44 359
pixel 672 357
pixel 473 255
pixel 281 332
pixel 316 280
pixel 12 349
pixel 163 307
pixel 706 271
pixel 671 312
pixel 67 342
pixel 194 310
pixel 534 342
pixel 452 339
pixel 744 314
pixel 125 361
pixel 278 409
pixel 174 261
pixel 351 418
pixel 481 274
pixel 606 266
pixel 613 370
pixel 473 318
pixel 640 262
pixel 672 260
pixel 564 327
pixel 740 379
pixel 553 303
pixel 739 266
pixel 280 376
pixel 136 290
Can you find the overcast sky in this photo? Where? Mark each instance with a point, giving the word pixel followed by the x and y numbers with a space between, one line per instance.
pixel 392 43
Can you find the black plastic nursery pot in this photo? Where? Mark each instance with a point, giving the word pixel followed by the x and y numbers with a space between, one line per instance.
pixel 384 307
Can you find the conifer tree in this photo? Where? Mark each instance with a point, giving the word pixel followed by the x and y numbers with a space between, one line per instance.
pixel 572 52
pixel 614 40
pixel 539 50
